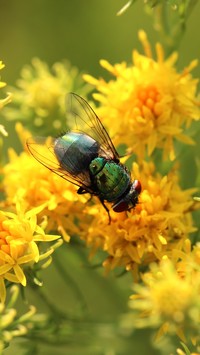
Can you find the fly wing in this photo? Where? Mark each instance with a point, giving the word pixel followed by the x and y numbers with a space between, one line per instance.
pixel 42 149
pixel 82 118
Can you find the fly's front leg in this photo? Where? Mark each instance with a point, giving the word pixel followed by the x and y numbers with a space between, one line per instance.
pixel 81 191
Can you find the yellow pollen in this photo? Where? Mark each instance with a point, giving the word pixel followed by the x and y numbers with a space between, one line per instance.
pixel 152 94
pixel 138 103
pixel 150 103
pixel 142 95
pixel 148 97
pixel 136 110
pixel 158 97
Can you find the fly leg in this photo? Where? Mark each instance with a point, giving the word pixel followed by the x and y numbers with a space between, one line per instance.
pixel 107 210
pixel 81 191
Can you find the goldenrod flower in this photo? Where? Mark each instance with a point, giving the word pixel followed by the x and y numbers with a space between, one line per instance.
pixel 11 324
pixel 3 131
pixel 159 223
pixel 149 103
pixel 19 237
pixel 14 324
pixel 40 97
pixel 3 102
pixel 167 301
pixel 60 204
pixel 181 352
pixel 2 84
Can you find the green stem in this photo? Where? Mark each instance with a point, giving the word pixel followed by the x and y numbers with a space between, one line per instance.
pixel 55 312
pixel 172 25
pixel 70 281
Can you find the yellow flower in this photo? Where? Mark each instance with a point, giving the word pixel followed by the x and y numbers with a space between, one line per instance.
pixel 2 84
pixel 159 223
pixel 3 131
pixel 14 323
pixel 186 352
pixel 181 352
pixel 167 301
pixel 40 97
pixel 5 101
pixel 149 102
pixel 19 237
pixel 57 197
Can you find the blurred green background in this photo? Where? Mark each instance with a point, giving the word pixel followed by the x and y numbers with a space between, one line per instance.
pixel 82 32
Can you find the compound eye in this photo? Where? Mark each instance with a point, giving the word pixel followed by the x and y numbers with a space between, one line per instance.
pixel 121 206
pixel 137 186
pixel 130 200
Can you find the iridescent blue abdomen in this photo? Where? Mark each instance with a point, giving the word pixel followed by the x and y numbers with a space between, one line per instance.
pixel 75 151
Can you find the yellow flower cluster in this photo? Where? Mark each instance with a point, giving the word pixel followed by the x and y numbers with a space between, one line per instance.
pixel 19 237
pixel 169 296
pixel 147 107
pixel 3 102
pixel 181 352
pixel 12 324
pixel 159 223
pixel 149 103
pixel 59 203
pixel 39 99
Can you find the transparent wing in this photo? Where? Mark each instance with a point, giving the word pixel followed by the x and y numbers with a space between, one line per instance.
pixel 43 151
pixel 82 118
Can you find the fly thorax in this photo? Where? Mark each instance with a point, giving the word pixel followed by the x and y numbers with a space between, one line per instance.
pixel 97 165
pixel 111 179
